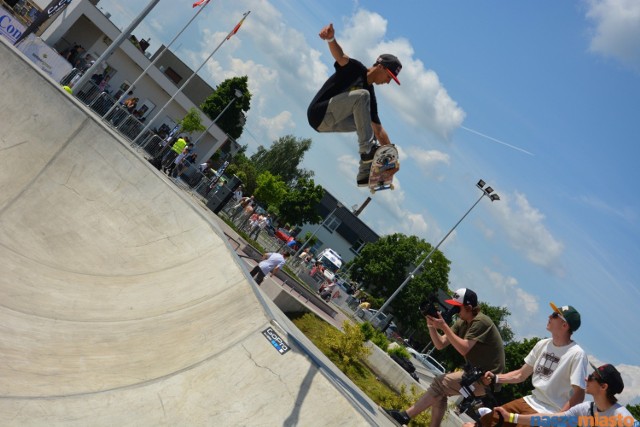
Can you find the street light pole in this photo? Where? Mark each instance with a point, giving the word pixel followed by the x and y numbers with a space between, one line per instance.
pixel 488 191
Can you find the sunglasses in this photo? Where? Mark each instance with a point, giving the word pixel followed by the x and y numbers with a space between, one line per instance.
pixel 555 315
pixel 595 377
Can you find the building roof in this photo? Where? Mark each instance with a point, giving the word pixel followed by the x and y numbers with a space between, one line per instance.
pixel 352 228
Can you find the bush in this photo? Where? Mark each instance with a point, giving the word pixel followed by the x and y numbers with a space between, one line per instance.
pixel 375 336
pixel 349 345
pixel 399 351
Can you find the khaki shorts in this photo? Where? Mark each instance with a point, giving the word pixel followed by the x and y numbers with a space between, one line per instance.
pixel 449 385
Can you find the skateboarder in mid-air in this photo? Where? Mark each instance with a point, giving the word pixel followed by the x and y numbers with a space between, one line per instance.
pixel 347 101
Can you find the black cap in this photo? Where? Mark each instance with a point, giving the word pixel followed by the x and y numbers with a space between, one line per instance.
pixel 391 63
pixel 609 375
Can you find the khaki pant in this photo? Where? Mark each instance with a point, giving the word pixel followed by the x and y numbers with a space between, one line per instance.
pixel 518 406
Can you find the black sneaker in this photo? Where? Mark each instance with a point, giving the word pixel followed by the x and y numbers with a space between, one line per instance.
pixel 363 182
pixel 368 157
pixel 399 416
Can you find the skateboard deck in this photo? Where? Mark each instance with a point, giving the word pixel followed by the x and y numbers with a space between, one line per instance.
pixel 385 164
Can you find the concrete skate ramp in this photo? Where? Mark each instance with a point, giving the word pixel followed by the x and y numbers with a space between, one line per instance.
pixel 120 301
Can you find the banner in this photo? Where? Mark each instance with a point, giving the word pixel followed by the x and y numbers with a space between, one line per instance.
pixel 45 57
pixel 9 26
pixel 54 7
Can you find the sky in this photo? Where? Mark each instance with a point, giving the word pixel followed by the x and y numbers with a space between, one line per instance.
pixel 538 99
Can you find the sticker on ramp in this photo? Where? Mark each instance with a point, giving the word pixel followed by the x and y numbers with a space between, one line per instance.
pixel 276 341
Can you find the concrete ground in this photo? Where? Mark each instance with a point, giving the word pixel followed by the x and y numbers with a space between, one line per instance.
pixel 122 302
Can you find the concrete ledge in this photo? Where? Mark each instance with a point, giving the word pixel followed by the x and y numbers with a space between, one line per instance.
pixel 389 371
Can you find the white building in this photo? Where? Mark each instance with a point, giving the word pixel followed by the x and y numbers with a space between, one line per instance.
pixel 83 23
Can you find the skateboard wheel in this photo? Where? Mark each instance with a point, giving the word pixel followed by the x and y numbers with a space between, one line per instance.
pixel 373 191
pixel 391 187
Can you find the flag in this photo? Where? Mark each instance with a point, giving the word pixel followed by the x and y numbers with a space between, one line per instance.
pixel 237 27
pixel 200 3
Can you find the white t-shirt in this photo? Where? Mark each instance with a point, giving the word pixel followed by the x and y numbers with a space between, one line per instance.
pixel 274 260
pixel 555 370
pixel 617 411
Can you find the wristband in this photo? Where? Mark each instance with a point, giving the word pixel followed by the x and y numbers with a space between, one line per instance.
pixel 332 39
pixel 511 417
pixel 515 418
pixel 495 378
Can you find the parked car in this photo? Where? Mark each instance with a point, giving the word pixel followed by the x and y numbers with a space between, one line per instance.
pixel 428 361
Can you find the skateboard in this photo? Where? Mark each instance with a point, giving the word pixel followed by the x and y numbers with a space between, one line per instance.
pixel 385 164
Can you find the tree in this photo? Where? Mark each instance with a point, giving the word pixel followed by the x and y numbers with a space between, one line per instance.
pixel 635 410
pixel 283 158
pixel 499 316
pixel 232 121
pixel 514 354
pixel 192 122
pixel 244 169
pixel 382 266
pixel 270 189
pixel 299 204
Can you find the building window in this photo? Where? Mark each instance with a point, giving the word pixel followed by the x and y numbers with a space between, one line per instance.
pixel 172 75
pixel 357 246
pixel 316 246
pixel 332 223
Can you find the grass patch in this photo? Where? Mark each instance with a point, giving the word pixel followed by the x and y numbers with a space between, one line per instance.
pixel 335 345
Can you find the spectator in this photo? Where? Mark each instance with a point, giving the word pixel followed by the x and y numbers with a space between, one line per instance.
pixel 476 338
pixel 271 263
pixel 557 366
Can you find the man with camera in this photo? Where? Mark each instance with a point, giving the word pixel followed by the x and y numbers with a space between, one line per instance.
pixel 475 337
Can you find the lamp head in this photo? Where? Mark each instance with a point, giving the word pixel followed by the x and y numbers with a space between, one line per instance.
pixel 481 184
pixel 494 197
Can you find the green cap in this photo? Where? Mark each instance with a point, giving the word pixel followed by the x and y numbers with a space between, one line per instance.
pixel 570 315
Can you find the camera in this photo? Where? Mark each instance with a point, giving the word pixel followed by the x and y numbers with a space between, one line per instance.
pixel 471 404
pixel 432 305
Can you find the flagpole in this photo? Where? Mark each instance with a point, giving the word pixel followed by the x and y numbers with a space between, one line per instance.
pixel 148 125
pixel 116 43
pixel 158 55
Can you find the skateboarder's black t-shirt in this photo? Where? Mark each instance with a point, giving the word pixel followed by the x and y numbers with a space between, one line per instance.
pixel 350 77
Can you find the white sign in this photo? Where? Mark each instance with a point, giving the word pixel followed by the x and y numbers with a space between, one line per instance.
pixel 10 27
pixel 44 57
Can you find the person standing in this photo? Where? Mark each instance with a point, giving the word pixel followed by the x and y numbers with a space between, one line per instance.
pixel 271 263
pixel 347 101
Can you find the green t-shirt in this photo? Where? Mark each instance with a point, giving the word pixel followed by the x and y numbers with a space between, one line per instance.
pixel 488 352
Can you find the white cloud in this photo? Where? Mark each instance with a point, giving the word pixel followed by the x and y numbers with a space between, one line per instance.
pixel 527 233
pixel 427 160
pixel 617 30
pixel 423 101
pixel 522 305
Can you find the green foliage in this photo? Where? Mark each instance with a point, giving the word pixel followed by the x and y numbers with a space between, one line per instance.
pixel 244 169
pixel 514 353
pixel 635 411
pixel 317 330
pixel 192 122
pixel 403 401
pixel 283 158
pixel 349 345
pixel 382 266
pixel 380 339
pixel 270 190
pixel 299 204
pixel 399 351
pixel 368 331
pixel 232 121
pixel 499 316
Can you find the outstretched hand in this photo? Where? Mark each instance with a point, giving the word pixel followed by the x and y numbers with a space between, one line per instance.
pixel 327 32
pixel 438 322
pixel 500 410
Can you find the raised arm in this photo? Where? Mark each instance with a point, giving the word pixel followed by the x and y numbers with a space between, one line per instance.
pixel 328 34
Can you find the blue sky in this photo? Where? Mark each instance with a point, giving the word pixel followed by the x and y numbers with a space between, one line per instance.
pixel 554 87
